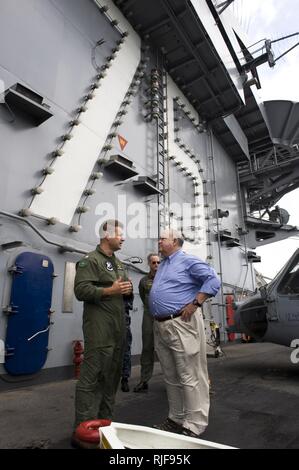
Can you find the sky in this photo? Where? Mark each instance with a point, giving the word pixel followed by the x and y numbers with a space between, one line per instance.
pixel 273 19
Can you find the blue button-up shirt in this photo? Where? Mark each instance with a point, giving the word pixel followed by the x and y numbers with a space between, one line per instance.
pixel 179 279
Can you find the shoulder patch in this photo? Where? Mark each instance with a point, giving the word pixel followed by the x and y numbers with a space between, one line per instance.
pixel 83 263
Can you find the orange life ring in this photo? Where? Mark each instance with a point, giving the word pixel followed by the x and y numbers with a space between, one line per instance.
pixel 88 431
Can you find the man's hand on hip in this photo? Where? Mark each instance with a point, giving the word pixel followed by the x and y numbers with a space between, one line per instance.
pixel 188 311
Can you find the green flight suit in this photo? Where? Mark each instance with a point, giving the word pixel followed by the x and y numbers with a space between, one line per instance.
pixel 148 353
pixel 104 335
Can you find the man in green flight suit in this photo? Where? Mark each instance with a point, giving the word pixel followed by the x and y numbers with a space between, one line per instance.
pixel 101 282
pixel 148 353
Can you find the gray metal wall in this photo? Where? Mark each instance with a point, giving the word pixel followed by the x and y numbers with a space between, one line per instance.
pixel 47 46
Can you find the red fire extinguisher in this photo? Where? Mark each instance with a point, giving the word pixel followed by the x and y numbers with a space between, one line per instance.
pixel 230 315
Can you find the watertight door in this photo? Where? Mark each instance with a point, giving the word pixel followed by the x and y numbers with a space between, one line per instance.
pixel 28 323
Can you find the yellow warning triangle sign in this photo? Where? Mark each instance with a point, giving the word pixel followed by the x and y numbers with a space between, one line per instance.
pixel 122 141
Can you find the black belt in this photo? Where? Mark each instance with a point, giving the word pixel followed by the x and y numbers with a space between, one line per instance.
pixel 169 317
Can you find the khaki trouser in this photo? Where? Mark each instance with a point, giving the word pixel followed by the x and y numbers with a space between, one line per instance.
pixel 181 348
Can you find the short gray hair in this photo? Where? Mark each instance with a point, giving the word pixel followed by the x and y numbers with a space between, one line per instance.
pixel 175 234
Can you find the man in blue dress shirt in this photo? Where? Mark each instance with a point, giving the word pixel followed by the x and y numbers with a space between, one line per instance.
pixel 181 285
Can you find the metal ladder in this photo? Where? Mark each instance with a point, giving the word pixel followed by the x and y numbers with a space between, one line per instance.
pixel 161 117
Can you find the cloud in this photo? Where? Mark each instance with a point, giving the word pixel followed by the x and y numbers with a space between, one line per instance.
pixel 275 255
pixel 256 16
pixel 267 11
pixel 290 202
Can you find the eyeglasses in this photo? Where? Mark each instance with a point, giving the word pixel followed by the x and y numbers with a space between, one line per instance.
pixel 155 262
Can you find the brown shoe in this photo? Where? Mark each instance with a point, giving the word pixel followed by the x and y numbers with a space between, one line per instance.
pixel 188 432
pixel 169 425
pixel 78 444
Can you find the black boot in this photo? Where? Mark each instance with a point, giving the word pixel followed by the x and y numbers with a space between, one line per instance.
pixel 142 387
pixel 125 385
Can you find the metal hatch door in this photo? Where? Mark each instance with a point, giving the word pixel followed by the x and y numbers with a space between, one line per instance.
pixel 283 293
pixel 28 322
